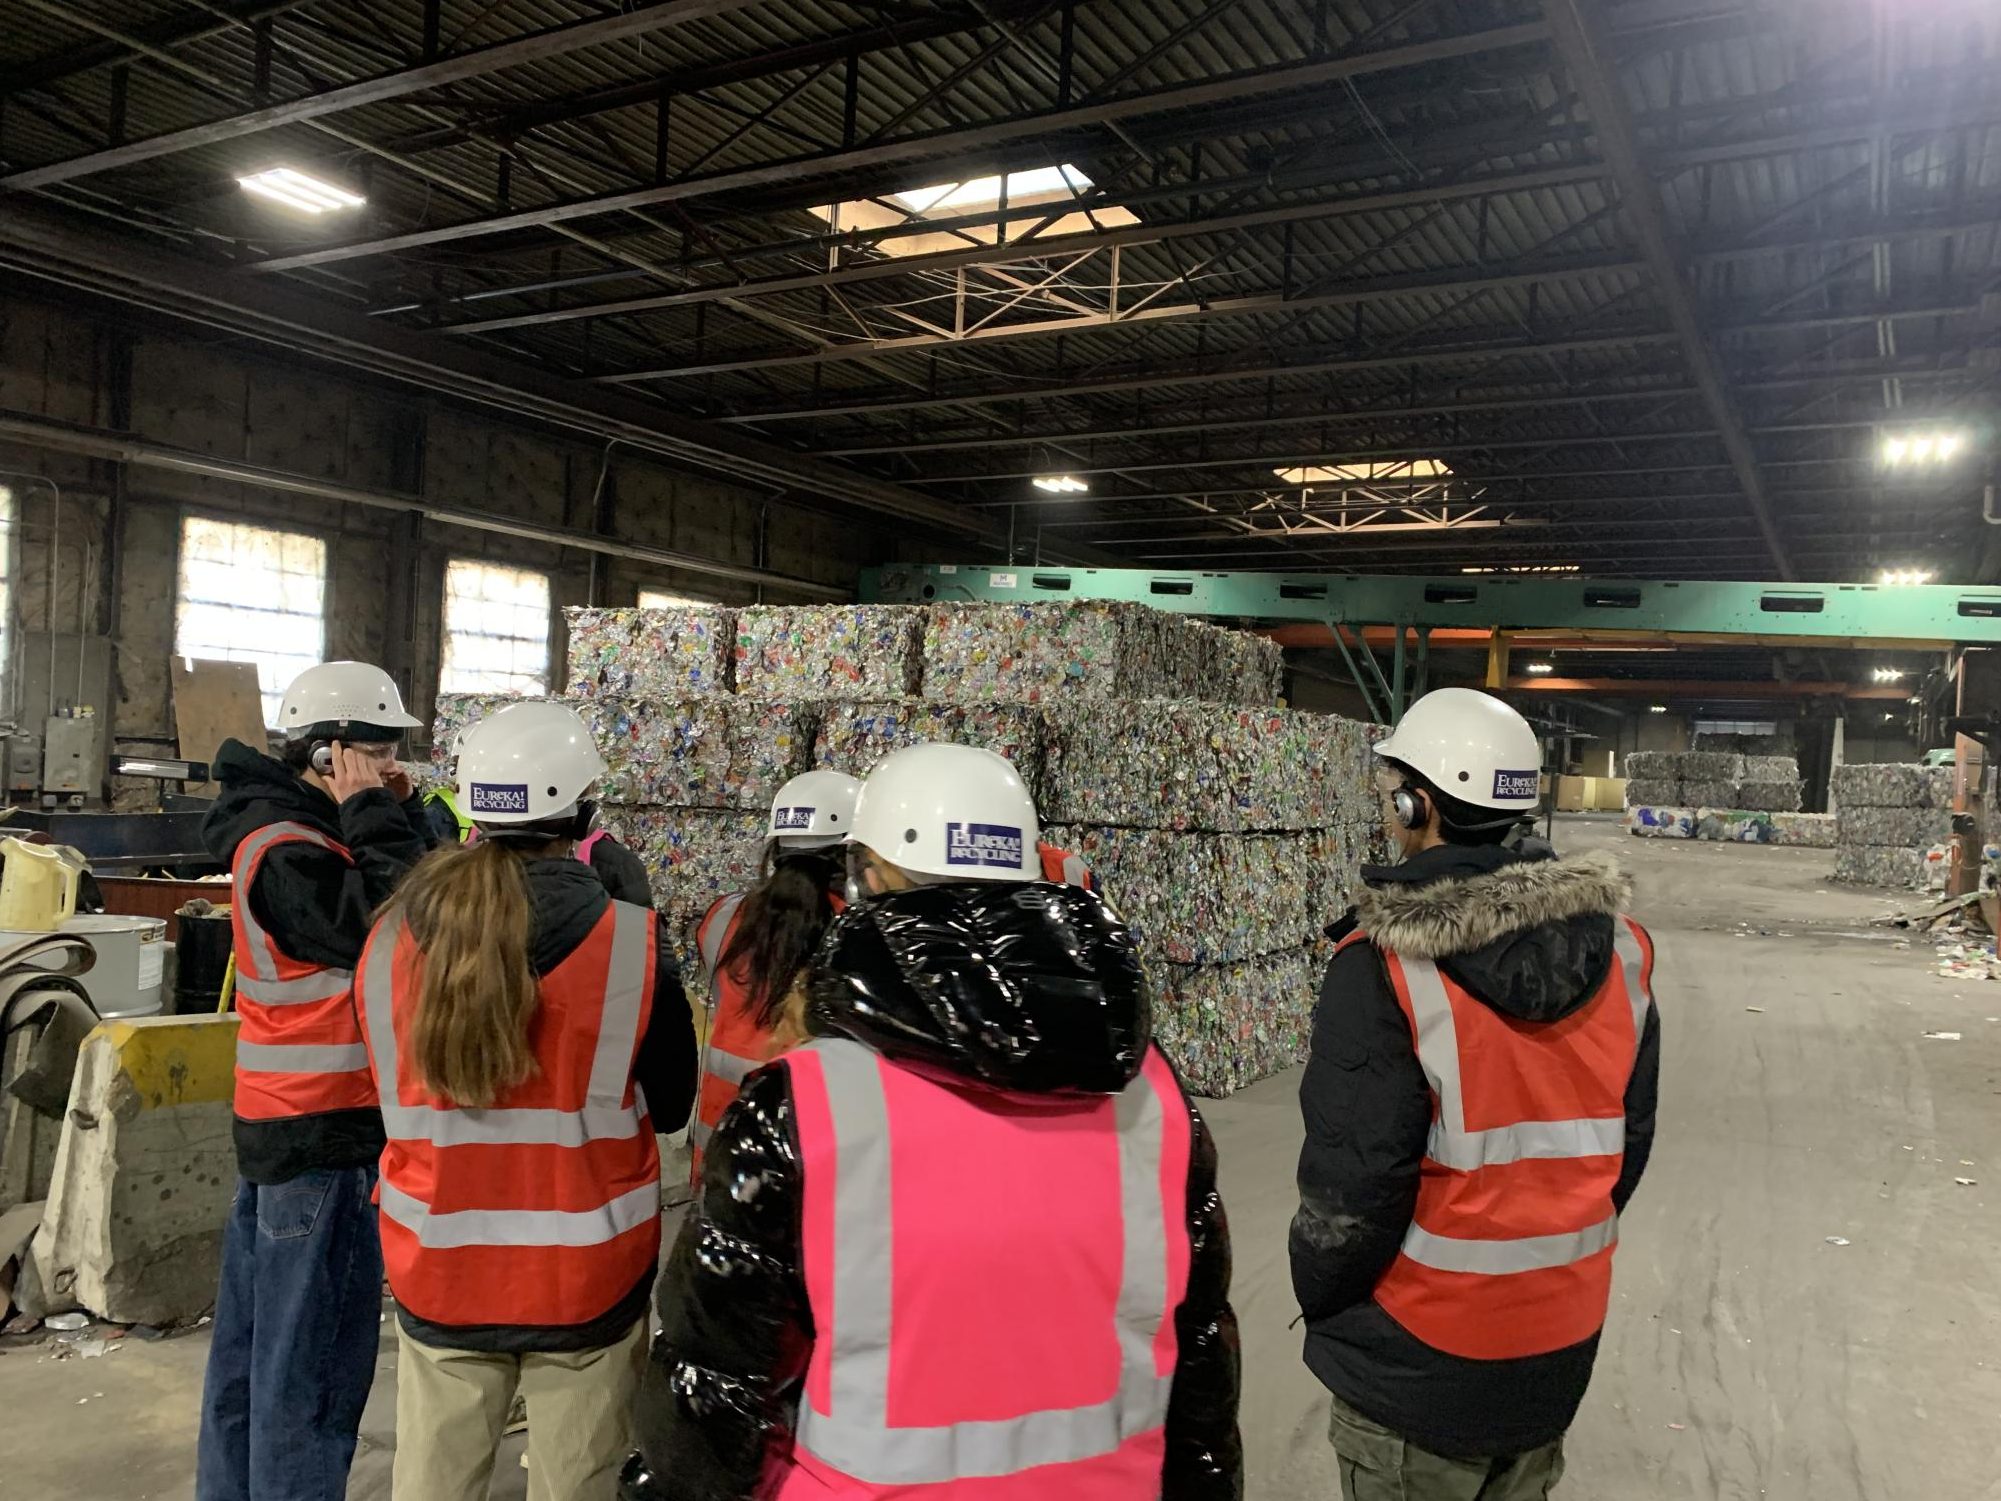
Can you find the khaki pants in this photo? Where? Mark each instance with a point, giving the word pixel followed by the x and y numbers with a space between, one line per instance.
pixel 451 1406
pixel 1377 1465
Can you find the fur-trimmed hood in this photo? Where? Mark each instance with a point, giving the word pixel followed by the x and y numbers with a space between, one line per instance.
pixel 1532 938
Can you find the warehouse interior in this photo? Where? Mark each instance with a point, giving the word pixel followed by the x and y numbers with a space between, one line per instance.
pixel 791 378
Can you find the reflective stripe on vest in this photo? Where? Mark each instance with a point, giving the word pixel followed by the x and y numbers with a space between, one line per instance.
pixel 321 1065
pixel 1521 1199
pixel 604 1116
pixel 1063 867
pixel 855 1436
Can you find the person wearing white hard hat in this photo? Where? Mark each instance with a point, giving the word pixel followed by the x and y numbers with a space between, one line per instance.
pixel 315 841
pixel 981 1108
pixel 528 1035
pixel 1479 1105
pixel 755 944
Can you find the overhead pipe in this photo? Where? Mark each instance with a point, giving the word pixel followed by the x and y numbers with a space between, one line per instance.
pixel 95 443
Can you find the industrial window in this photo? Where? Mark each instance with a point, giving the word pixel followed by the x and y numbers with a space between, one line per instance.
pixel 496 629
pixel 663 599
pixel 1736 727
pixel 251 594
pixel 1035 198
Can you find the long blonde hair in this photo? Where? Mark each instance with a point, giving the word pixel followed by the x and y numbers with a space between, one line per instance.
pixel 467 908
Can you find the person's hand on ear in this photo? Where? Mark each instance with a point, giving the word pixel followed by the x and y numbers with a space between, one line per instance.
pixel 353 773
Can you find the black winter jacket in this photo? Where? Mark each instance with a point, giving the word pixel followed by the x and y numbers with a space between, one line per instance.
pixel 568 898
pixel 1532 937
pixel 318 907
pixel 1029 989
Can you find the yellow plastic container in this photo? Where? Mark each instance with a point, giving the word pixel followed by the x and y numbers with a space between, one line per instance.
pixel 38 888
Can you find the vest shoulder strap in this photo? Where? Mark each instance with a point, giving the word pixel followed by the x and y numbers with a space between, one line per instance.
pixel 714 934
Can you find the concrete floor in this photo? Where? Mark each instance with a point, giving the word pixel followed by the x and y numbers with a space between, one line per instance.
pixel 1745 1357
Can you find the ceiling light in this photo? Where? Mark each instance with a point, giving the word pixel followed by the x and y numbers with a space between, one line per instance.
pixel 1901 577
pixel 1889 674
pixel 1922 448
pixel 1061 484
pixel 1658 709
pixel 295 189
pixel 1541 669
pixel 1522 568
pixel 1914 699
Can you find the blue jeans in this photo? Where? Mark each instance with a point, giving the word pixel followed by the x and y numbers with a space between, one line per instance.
pixel 297 1324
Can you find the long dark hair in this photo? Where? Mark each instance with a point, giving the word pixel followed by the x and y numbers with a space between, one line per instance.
pixel 780 925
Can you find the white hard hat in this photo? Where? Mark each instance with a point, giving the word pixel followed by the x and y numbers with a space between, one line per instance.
pixel 814 809
pixel 1470 746
pixel 342 693
pixel 528 762
pixel 953 812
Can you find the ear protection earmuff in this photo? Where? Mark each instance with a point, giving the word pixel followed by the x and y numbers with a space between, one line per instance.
pixel 322 758
pixel 1410 808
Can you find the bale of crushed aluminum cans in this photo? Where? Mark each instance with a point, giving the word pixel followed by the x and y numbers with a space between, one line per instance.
pixel 693 855
pixel 632 653
pixel 453 715
pixel 1906 828
pixel 1813 831
pixel 1204 898
pixel 1048 651
pixel 1653 793
pixel 1708 767
pixel 1183 765
pixel 1733 826
pixel 1721 794
pixel 854 735
pixel 1771 769
pixel 1661 823
pixel 829 651
pixel 1872 865
pixel 1891 785
pixel 770 742
pixel 1769 797
pixel 1652 766
pixel 1229 1025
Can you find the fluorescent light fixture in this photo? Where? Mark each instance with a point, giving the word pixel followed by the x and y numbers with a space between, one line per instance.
pixel 1541 669
pixel 1362 474
pixel 1900 577
pixel 1658 709
pixel 1921 448
pixel 294 189
pixel 1889 674
pixel 1061 484
pixel 1524 568
pixel 1914 699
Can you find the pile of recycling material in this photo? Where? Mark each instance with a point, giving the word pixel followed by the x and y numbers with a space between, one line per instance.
pixel 1716 779
pixel 1733 826
pixel 1893 824
pixel 1226 829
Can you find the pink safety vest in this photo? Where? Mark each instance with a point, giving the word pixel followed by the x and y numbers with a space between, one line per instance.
pixel 993 1282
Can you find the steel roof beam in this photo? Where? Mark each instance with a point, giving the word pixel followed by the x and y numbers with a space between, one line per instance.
pixel 554 42
pixel 1323 362
pixel 1587 60
pixel 176 31
pixel 1454 280
pixel 933 145
pixel 1050 246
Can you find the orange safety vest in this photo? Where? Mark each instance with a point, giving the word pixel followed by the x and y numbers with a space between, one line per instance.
pixel 1509 1253
pixel 993 1283
pixel 298 1046
pixel 737 1045
pixel 543 1210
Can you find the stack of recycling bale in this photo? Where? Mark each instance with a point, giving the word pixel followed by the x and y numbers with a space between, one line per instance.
pixel 1227 830
pixel 1890 820
pixel 1721 793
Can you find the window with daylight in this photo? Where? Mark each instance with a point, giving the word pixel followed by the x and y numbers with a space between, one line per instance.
pixel 252 594
pixel 1736 727
pixel 496 629
pixel 1033 196
pixel 662 599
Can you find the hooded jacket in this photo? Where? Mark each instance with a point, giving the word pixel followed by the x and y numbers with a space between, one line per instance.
pixel 1531 937
pixel 1027 989
pixel 318 907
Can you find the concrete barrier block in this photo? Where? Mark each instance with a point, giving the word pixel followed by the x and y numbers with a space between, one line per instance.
pixel 144 1174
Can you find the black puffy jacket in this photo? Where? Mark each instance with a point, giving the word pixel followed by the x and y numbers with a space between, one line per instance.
pixel 1030 989
pixel 1532 937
